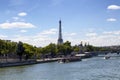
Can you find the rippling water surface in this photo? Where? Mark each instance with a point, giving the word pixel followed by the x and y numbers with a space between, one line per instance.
pixel 95 68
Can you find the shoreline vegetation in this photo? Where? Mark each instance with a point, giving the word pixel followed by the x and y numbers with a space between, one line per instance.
pixel 19 53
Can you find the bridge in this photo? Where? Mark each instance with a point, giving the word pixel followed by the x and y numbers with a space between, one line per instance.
pixel 109 54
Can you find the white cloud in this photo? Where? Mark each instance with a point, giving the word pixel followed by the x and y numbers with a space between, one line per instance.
pixel 69 34
pixel 113 7
pixel 50 31
pixel 106 38
pixel 39 39
pixel 17 19
pixel 3 36
pixel 22 14
pixel 44 38
pixel 112 32
pixel 108 32
pixel 73 34
pixel 23 31
pixel 91 34
pixel 111 19
pixel 8 25
pixel 36 40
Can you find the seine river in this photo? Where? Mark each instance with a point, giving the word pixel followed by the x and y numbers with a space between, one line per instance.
pixel 95 68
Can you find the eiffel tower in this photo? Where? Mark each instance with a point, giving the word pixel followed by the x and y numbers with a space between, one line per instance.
pixel 60 40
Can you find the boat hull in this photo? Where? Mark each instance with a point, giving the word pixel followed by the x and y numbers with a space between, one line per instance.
pixel 71 59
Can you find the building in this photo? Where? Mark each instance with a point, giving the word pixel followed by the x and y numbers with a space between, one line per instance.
pixel 60 40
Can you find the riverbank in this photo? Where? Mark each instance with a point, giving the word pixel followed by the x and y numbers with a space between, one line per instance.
pixel 46 60
pixel 28 62
pixel 20 63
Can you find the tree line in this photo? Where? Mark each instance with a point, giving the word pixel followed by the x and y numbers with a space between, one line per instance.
pixel 19 49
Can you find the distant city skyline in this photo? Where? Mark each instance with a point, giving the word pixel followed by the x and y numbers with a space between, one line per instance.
pixel 36 21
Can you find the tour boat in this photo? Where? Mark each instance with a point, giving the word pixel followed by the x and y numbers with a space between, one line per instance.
pixel 70 59
pixel 106 57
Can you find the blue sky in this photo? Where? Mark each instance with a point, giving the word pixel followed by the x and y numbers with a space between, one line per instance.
pixel 36 21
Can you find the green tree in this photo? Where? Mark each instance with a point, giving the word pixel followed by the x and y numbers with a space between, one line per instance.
pixel 68 48
pixel 20 50
pixel 60 49
pixel 65 49
pixel 76 48
pixel 52 49
pixel 89 48
pixel 49 50
pixel 30 51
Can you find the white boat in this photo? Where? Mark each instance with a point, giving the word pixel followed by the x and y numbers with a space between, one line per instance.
pixel 69 59
pixel 107 57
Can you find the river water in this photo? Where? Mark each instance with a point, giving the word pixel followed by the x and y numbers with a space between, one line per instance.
pixel 95 68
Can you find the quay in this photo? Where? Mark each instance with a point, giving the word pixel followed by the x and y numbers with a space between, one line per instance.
pixel 20 63
pixel 46 60
pixel 29 62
